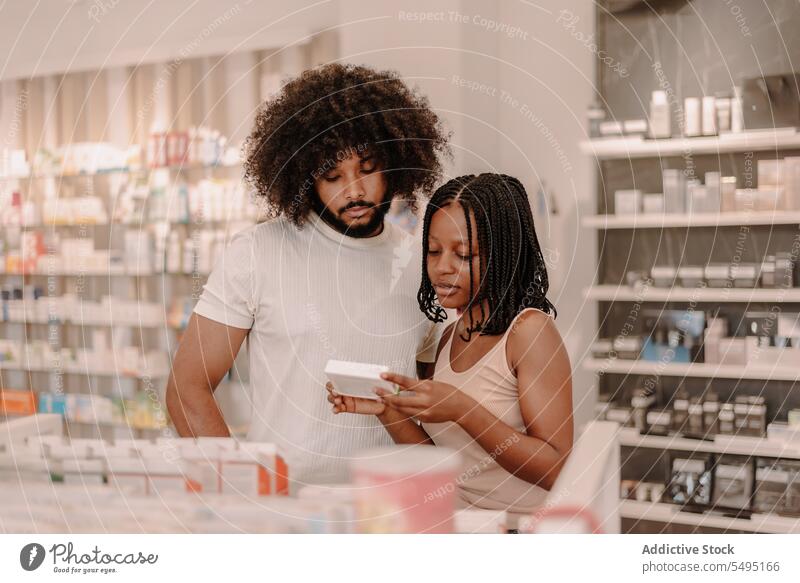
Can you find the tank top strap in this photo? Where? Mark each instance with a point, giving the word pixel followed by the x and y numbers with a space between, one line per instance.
pixel 498 351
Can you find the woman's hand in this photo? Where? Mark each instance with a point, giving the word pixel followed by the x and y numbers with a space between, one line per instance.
pixel 432 401
pixel 344 404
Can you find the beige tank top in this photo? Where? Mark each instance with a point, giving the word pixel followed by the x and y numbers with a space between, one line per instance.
pixel 483 483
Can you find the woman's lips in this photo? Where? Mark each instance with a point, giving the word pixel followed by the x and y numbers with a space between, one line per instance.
pixel 443 289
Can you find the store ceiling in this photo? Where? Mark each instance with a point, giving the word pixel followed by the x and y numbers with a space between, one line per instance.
pixel 56 36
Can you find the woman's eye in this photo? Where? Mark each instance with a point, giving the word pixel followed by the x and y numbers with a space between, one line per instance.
pixel 368 166
pixel 331 178
pixel 433 252
pixel 465 257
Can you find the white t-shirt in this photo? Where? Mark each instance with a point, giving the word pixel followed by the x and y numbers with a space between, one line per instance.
pixel 309 295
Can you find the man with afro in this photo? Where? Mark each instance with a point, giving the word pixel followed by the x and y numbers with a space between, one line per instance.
pixel 326 277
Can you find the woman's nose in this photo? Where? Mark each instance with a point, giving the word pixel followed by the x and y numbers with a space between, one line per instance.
pixel 444 266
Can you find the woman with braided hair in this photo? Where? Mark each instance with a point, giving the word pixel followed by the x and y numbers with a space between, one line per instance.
pixel 500 391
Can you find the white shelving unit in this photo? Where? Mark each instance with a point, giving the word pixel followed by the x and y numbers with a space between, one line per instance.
pixel 122 170
pixel 671 514
pixel 140 375
pixel 615 148
pixel 722 444
pixel 692 369
pixel 613 293
pixel 101 273
pixel 671 220
pixel 90 322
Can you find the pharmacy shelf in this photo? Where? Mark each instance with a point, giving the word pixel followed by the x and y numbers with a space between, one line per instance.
pixel 614 293
pixel 18 366
pixel 721 444
pixel 622 147
pixel 120 170
pixel 670 220
pixel 198 222
pixel 671 514
pixel 107 323
pixel 694 369
pixel 102 273
pixel 108 425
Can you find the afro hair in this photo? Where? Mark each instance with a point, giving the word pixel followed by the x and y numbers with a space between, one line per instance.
pixel 326 112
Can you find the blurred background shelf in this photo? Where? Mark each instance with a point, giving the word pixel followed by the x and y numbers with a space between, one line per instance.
pixel 723 444
pixel 140 375
pixel 613 293
pixel 613 148
pixel 695 369
pixel 666 220
pixel 671 514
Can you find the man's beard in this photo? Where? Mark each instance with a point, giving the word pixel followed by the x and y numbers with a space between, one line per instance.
pixel 357 231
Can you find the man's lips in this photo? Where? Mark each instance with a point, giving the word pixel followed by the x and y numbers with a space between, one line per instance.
pixel 357 212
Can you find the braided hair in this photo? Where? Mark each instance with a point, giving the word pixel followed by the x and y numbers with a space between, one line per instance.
pixel 513 274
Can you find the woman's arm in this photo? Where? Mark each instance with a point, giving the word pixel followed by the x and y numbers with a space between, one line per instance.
pixel 540 361
pixel 402 428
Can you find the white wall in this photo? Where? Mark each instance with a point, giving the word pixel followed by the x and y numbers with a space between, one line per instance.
pixel 553 75
pixel 544 73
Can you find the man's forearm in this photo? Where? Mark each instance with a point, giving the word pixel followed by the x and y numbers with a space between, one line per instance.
pixel 195 413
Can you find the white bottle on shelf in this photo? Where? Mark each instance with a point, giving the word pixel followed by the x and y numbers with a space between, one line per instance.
pixel 692 117
pixel 709 115
pixel 189 256
pixel 737 116
pixel 174 253
pixel 160 259
pixel 659 116
pixel 205 253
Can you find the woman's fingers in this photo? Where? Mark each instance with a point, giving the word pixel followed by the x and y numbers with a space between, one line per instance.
pixel 398 401
pixel 398 379
pixel 347 404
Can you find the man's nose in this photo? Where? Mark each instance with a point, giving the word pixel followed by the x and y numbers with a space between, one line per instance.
pixel 354 189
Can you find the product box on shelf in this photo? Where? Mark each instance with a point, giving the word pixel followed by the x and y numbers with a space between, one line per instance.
pixel 689 479
pixel 128 474
pixel 663 275
pixel 717 275
pixel 691 275
pixel 791 183
pixel 777 487
pixel 17 402
pixel 653 203
pixel 734 478
pixel 627 202
pixel 253 470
